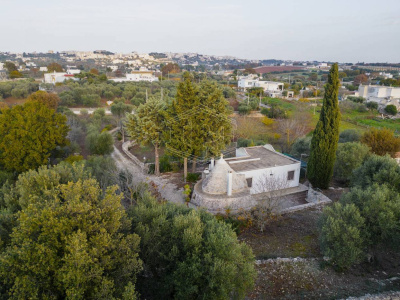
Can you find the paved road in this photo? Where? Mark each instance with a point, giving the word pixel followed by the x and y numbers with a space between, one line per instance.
pixel 168 191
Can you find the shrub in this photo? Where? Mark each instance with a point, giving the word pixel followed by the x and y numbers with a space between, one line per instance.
pixel 341 235
pixel 391 109
pixel 243 142
pixel 372 105
pixel 349 156
pixel 193 177
pixel 301 146
pixel 349 135
pixel 381 141
pixel 244 109
pixel 377 169
pixel 356 99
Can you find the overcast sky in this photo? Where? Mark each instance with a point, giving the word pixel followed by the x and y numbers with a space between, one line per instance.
pixel 331 30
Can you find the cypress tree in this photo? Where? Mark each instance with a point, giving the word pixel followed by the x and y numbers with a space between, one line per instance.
pixel 326 135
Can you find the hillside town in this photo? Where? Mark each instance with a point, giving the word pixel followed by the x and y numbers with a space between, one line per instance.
pixel 151 171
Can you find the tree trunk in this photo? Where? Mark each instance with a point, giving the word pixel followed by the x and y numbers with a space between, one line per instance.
pixel 194 165
pixel 157 161
pixel 184 169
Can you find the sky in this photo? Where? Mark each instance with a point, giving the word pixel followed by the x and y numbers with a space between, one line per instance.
pixel 323 30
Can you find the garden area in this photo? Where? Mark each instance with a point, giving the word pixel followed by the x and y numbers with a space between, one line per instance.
pixel 290 265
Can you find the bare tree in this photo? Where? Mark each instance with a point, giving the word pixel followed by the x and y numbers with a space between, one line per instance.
pixel 269 203
pixel 291 129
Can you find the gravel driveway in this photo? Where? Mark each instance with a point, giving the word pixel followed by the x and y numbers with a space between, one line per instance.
pixel 167 190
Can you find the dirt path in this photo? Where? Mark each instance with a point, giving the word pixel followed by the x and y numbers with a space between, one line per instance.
pixel 167 190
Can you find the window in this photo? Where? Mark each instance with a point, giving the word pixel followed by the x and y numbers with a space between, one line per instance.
pixel 290 175
pixel 249 182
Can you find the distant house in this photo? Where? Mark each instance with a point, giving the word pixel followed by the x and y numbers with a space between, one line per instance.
pixel 271 88
pixel 239 182
pixel 142 75
pixel 383 95
pixel 57 77
pixel 43 69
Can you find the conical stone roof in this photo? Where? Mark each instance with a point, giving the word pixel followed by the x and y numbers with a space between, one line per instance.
pixel 217 181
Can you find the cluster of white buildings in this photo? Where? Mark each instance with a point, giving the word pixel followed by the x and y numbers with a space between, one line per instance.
pixel 271 88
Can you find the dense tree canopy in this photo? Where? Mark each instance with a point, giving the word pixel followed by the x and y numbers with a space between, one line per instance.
pixel 189 254
pixel 70 241
pixel 28 134
pixel 54 67
pixel 49 99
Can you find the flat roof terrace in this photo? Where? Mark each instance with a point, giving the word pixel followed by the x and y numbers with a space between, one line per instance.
pixel 259 157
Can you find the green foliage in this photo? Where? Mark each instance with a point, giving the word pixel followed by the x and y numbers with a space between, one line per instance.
pixel 28 134
pixel 187 192
pixel 356 99
pixel 146 126
pixel 381 141
pixel 18 89
pixel 188 254
pixel 193 177
pixel 301 146
pixel 244 109
pixel 372 105
pixel 99 143
pixel 342 236
pixel 349 135
pixel 91 100
pixel 349 156
pixel 326 135
pixel 54 67
pixel 102 168
pixel 275 112
pixel 229 92
pixel 377 169
pixel 198 120
pixel 379 205
pixel 69 241
pixel 15 74
pixel 391 109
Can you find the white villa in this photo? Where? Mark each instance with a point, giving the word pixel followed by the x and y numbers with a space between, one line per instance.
pixel 272 88
pixel 142 75
pixel 57 77
pixel 383 95
pixel 239 182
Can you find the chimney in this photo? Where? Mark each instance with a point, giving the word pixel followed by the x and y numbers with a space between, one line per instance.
pixel 229 187
pixel 212 164
pixel 205 174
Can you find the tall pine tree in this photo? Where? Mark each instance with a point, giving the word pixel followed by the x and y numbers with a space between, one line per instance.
pixel 326 135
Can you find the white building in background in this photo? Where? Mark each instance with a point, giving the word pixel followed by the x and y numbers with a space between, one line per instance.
pixel 142 75
pixel 73 70
pixel 383 95
pixel 43 69
pixel 377 92
pixel 1 66
pixel 113 68
pixel 57 77
pixel 272 88
pixel 386 75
